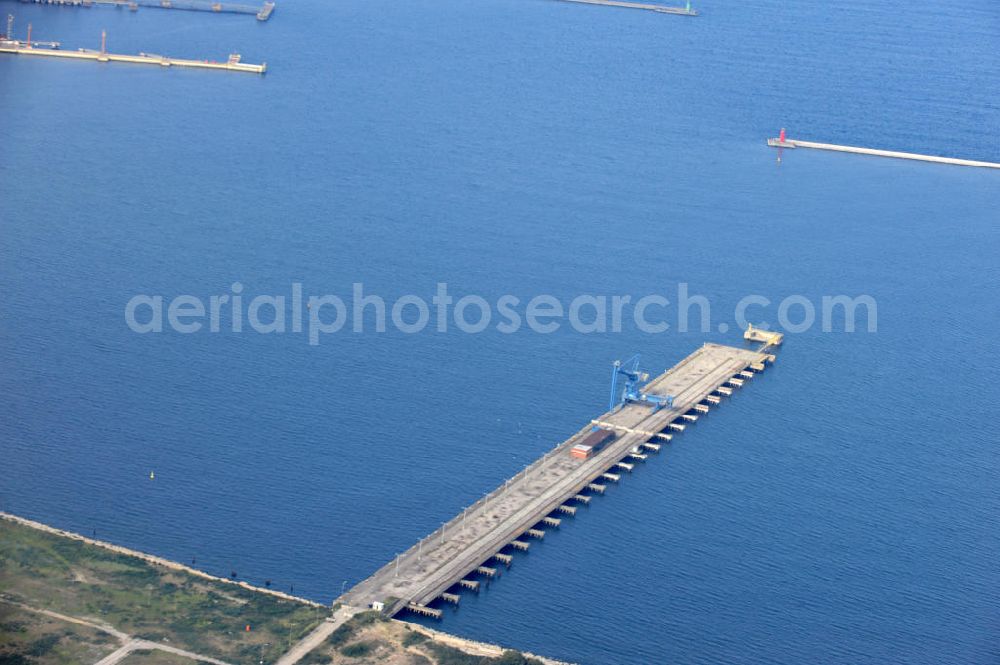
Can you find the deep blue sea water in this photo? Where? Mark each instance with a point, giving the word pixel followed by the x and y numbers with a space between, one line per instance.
pixel 843 508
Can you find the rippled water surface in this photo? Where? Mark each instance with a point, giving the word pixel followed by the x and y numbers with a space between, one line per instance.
pixel 842 508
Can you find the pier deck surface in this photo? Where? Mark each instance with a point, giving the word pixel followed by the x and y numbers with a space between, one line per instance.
pixel 456 550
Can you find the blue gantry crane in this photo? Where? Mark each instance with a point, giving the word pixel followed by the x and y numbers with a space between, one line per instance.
pixel 627 382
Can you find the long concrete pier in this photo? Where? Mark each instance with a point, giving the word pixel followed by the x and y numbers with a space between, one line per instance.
pixel 792 143
pixel 518 511
pixel 233 64
pixel 262 12
pixel 663 9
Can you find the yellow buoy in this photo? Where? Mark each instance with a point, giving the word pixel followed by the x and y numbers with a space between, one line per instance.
pixel 152 476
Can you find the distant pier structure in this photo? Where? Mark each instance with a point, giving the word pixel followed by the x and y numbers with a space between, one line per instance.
pixel 662 9
pixel 782 142
pixel 262 12
pixel 31 47
pixel 233 64
pixel 464 553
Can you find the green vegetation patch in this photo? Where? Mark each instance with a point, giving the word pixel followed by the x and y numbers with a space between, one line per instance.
pixel 156 657
pixel 413 637
pixel 359 649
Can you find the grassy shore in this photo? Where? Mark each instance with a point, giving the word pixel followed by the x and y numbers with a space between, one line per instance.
pixel 65 600
pixel 122 593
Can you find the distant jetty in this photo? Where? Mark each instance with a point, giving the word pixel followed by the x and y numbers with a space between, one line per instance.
pixel 233 64
pixel 783 142
pixel 28 47
pixel 663 9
